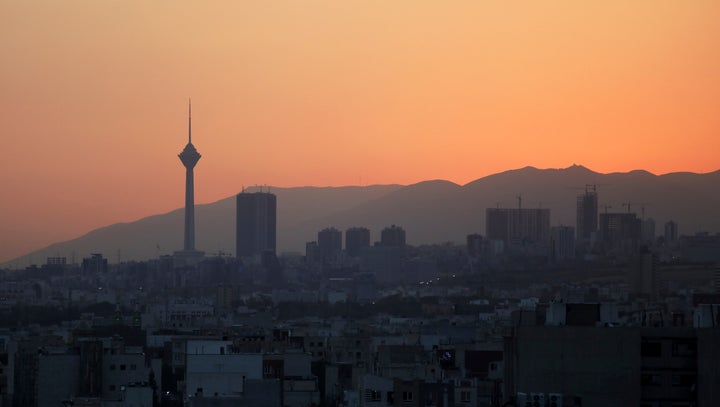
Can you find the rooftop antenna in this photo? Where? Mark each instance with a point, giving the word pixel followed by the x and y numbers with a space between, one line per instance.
pixel 189 121
pixel 519 198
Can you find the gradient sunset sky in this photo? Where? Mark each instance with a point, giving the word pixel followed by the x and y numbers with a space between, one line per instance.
pixel 93 97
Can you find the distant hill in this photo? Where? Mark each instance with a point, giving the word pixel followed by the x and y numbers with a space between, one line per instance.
pixel 430 211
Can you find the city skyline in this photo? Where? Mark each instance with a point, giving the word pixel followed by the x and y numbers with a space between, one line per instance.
pixel 445 212
pixel 317 94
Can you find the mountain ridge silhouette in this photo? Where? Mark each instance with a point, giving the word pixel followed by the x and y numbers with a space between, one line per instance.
pixel 432 211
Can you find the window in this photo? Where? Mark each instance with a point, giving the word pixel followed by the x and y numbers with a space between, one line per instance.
pixel 465 396
pixel 651 349
pixel 683 380
pixel 372 395
pixel 133 367
pixel 651 379
pixel 111 387
pixel 123 367
pixel 112 367
pixel 684 348
pixel 407 396
pixel 390 397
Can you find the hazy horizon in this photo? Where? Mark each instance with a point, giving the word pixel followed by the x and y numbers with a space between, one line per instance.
pixel 4 257
pixel 94 98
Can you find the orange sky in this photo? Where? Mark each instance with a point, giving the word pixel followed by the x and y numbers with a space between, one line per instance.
pixel 93 97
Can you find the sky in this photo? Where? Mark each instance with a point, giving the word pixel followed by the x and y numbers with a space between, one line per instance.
pixel 93 97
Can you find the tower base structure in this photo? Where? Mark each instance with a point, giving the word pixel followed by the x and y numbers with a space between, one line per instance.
pixel 187 258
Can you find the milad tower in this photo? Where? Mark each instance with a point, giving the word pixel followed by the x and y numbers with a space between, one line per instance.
pixel 189 158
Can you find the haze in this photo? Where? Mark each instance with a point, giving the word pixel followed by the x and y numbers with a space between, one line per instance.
pixel 93 97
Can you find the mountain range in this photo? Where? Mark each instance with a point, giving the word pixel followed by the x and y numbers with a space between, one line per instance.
pixel 431 211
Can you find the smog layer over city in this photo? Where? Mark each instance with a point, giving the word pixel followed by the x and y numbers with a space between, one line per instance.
pixel 359 203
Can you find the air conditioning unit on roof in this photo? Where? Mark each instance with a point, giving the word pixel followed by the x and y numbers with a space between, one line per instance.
pixel 538 399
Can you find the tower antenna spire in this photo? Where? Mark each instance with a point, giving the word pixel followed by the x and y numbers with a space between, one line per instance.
pixel 189 121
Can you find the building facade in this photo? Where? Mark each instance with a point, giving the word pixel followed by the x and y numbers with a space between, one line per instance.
pixel 516 226
pixel 356 239
pixel 256 224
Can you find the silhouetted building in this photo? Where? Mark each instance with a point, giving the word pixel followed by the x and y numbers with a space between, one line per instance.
pixel 620 366
pixel 393 236
pixel 646 280
pixel 516 226
pixel 189 158
pixel 701 248
pixel 356 239
pixel 256 224
pixel 56 261
pixel 587 215
pixel 562 239
pixel 329 244
pixel 475 245
pixel 671 232
pixel 94 264
pixel 312 252
pixel 647 230
pixel 619 232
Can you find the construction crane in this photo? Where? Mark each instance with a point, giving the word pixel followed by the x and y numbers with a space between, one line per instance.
pixel 590 187
pixel 642 207
pixel 606 207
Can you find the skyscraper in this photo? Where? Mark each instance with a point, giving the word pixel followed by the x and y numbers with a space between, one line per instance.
pixel 256 224
pixel 189 157
pixel 356 239
pixel 620 232
pixel 329 244
pixel 671 232
pixel 518 226
pixel 587 214
pixel 562 239
pixel 393 236
pixel 647 231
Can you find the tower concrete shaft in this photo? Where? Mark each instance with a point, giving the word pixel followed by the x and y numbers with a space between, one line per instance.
pixel 189 157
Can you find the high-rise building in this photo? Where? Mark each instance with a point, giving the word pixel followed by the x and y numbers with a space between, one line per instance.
pixel 312 252
pixel 587 214
pixel 671 232
pixel 620 232
pixel 329 244
pixel 646 274
pixel 516 226
pixel 647 230
pixel 256 224
pixel 189 158
pixel 393 236
pixel 562 239
pixel 94 264
pixel 356 239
